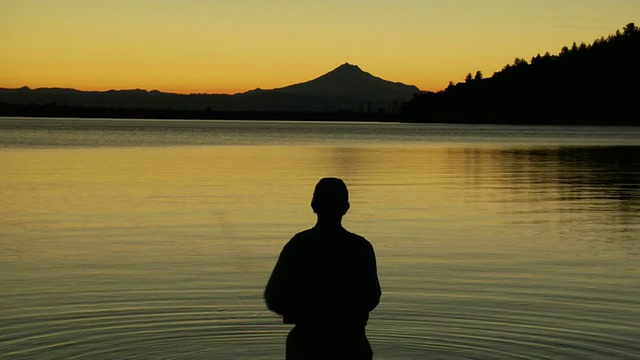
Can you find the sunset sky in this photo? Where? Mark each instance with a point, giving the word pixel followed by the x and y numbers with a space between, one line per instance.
pixel 216 46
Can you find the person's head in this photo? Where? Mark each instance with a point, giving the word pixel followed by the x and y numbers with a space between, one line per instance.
pixel 330 198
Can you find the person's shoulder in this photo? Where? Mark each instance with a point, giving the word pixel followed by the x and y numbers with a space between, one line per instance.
pixel 300 237
pixel 358 239
pixel 303 234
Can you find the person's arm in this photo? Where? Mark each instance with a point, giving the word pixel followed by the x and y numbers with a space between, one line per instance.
pixel 279 293
pixel 373 284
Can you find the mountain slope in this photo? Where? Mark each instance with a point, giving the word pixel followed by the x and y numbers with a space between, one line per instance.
pixel 350 81
pixel 346 88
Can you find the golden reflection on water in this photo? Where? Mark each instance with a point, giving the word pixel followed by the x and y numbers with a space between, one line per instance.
pixel 483 250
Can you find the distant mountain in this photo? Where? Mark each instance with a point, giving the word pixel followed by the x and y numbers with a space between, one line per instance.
pixel 345 89
pixel 350 82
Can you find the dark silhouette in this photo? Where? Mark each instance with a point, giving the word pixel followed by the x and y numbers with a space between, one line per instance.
pixel 344 89
pixel 584 84
pixel 53 110
pixel 326 283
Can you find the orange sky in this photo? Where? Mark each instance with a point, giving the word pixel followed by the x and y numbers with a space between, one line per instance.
pixel 220 46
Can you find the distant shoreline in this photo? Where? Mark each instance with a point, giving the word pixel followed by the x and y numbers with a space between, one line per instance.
pixel 64 111
pixel 61 111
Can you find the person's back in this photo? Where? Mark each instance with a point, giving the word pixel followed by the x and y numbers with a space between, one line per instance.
pixel 325 282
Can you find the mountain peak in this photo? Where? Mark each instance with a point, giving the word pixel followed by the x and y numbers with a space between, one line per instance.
pixel 348 66
pixel 346 69
pixel 349 81
pixel 347 85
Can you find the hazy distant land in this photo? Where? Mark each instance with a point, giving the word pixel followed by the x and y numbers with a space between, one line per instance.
pixel 595 84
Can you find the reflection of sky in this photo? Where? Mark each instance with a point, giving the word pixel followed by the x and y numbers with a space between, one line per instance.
pixel 127 132
pixel 593 181
pixel 525 244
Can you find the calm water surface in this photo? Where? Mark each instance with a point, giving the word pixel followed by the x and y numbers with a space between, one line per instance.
pixel 154 239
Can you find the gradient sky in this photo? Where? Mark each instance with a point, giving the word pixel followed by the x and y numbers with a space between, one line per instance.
pixel 216 46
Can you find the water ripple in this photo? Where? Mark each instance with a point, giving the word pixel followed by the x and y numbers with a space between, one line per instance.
pixel 156 329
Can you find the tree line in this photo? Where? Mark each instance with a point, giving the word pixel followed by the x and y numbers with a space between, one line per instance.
pixel 587 84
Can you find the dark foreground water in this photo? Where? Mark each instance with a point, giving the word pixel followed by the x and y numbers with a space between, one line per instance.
pixel 154 239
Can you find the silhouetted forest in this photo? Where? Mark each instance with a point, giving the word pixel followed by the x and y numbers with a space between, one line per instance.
pixel 596 84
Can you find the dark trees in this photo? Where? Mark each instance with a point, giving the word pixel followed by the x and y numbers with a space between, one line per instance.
pixel 584 84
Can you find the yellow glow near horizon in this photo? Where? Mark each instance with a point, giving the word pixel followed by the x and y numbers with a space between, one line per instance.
pixel 199 46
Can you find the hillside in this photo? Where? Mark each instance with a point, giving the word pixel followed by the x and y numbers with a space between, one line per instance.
pixel 345 89
pixel 596 84
pixel 349 81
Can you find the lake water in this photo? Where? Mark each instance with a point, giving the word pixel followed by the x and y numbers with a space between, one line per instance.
pixel 131 239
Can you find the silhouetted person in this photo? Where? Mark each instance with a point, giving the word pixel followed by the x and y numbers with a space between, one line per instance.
pixel 326 283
